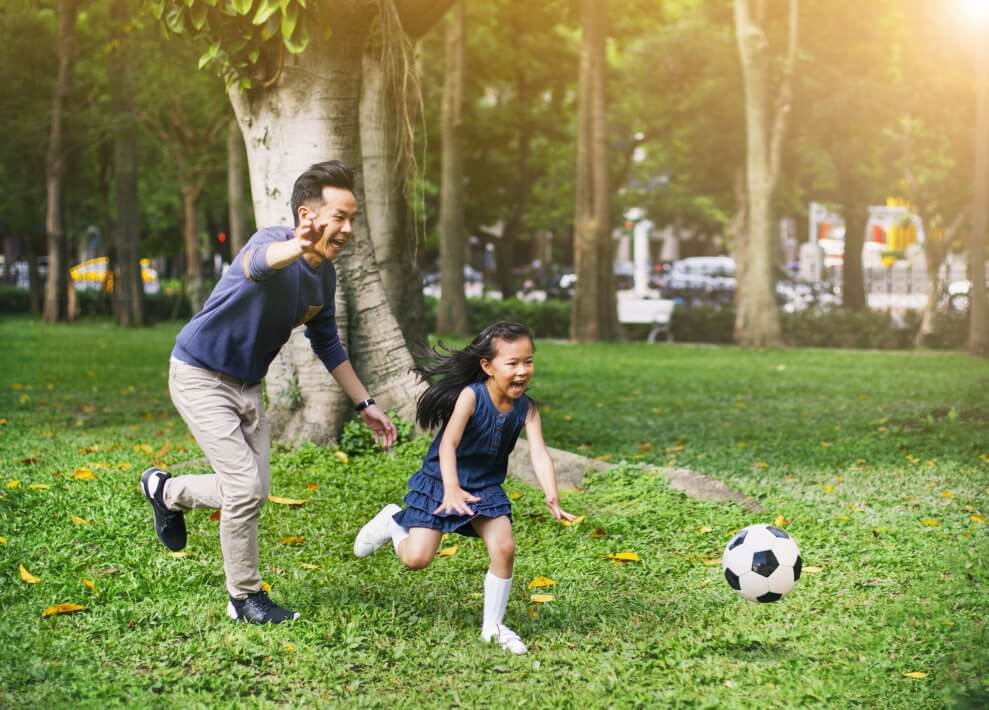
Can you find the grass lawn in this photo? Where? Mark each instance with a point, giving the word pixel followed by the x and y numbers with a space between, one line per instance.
pixel 880 461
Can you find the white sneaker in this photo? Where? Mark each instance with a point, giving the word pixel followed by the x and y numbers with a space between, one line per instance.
pixel 506 638
pixel 376 533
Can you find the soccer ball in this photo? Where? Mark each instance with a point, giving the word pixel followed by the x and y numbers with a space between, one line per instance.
pixel 761 563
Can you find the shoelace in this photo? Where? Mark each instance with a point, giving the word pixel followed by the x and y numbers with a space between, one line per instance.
pixel 262 601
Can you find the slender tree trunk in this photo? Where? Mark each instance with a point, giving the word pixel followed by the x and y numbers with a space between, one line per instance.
pixel 128 287
pixel 852 276
pixel 452 314
pixel 935 250
pixel 235 187
pixel 978 325
pixel 56 286
pixel 384 110
pixel 311 114
pixel 515 224
pixel 594 314
pixel 757 321
pixel 190 238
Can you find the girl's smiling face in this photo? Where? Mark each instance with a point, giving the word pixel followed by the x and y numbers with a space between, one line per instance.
pixel 511 368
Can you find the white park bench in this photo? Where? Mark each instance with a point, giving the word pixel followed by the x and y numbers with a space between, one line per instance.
pixel 657 312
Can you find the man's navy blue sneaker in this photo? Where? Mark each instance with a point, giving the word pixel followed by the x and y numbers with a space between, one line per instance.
pixel 169 524
pixel 258 608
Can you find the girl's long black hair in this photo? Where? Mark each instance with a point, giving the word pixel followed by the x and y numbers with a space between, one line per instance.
pixel 450 371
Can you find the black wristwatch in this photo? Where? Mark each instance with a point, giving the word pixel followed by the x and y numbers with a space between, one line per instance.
pixel 363 404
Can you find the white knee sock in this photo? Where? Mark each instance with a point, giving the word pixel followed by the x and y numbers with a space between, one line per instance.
pixel 398 533
pixel 496 593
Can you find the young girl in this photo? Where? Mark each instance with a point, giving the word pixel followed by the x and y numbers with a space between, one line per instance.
pixel 480 403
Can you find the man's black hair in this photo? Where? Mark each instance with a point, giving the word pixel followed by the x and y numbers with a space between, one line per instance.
pixel 309 185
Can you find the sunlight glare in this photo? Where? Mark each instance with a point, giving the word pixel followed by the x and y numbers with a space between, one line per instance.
pixel 976 11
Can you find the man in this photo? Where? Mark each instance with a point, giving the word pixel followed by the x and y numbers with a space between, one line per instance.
pixel 282 278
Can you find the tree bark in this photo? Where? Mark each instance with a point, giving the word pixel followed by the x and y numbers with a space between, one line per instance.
pixel 56 285
pixel 757 321
pixel 978 324
pixel 194 287
pixel 451 317
pixel 128 286
pixel 385 119
pixel 935 251
pixel 852 275
pixel 311 114
pixel 235 187
pixel 594 315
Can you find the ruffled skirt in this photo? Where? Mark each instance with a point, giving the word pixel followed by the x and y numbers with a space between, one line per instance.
pixel 425 495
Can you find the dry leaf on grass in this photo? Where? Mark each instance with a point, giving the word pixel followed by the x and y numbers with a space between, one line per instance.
pixel 915 674
pixel 930 522
pixel 570 523
pixel 448 551
pixel 541 582
pixel 39 486
pixel 514 495
pixel 341 456
pixel 286 501
pixel 61 609
pixel 781 522
pixel 76 520
pixel 84 474
pixel 90 585
pixel 307 565
pixel 312 486
pixel 293 540
pixel 627 556
pixel 26 576
pixel 541 598
pixel 3 540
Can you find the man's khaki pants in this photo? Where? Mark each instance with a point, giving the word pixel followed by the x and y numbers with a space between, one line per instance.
pixel 227 419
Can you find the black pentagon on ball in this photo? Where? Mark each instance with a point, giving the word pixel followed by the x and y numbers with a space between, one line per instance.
pixel 796 568
pixel 777 532
pixel 769 597
pixel 739 539
pixel 764 562
pixel 732 579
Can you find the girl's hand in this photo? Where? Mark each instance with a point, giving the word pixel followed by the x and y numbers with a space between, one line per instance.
pixel 558 512
pixel 455 501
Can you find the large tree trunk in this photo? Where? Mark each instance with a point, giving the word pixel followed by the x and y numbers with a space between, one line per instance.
pixel 235 187
pixel 935 250
pixel 194 287
pixel 451 316
pixel 386 128
pixel 757 321
pixel 594 314
pixel 128 288
pixel 978 325
pixel 852 276
pixel 56 286
pixel 308 115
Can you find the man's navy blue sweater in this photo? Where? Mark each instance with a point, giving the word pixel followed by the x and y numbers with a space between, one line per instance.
pixel 253 309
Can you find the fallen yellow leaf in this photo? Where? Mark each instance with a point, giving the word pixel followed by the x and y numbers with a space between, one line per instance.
pixel 541 598
pixel 760 464
pixel 741 444
pixel 3 540
pixel 179 555
pixel 930 522
pixel 541 582
pixel 515 495
pixel 24 398
pixel 144 449
pixel 61 609
pixel 977 518
pixel 84 474
pixel 215 516
pixel 828 488
pixel 265 586
pixel 825 444
pixel 812 569
pixel 289 647
pixel 705 529
pixel 286 501
pixel 598 532
pixel 567 417
pixel 293 540
pixel 26 576
pixel 90 585
pixel 341 456
pixel 3 421
pixel 16 386
pixel 448 551
pixel 312 486
pixel 781 522
pixel 576 521
pixel 915 674
pixel 947 494
pixel 627 556
pixel 712 561
pixel 675 449
pixel 39 486
pixel 13 484
pixel 841 518
pixel 307 565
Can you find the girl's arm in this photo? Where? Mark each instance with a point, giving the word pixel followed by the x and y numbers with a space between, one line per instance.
pixel 455 498
pixel 542 464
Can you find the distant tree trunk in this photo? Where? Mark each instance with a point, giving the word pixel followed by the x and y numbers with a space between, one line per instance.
pixel 757 321
pixel 128 287
pixel 515 224
pixel 978 324
pixel 594 314
pixel 56 286
pixel 451 317
pixel 318 96
pixel 856 214
pixel 386 138
pixel 235 187
pixel 194 287
pixel 935 250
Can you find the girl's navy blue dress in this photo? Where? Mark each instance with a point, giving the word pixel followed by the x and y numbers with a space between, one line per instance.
pixel 482 462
